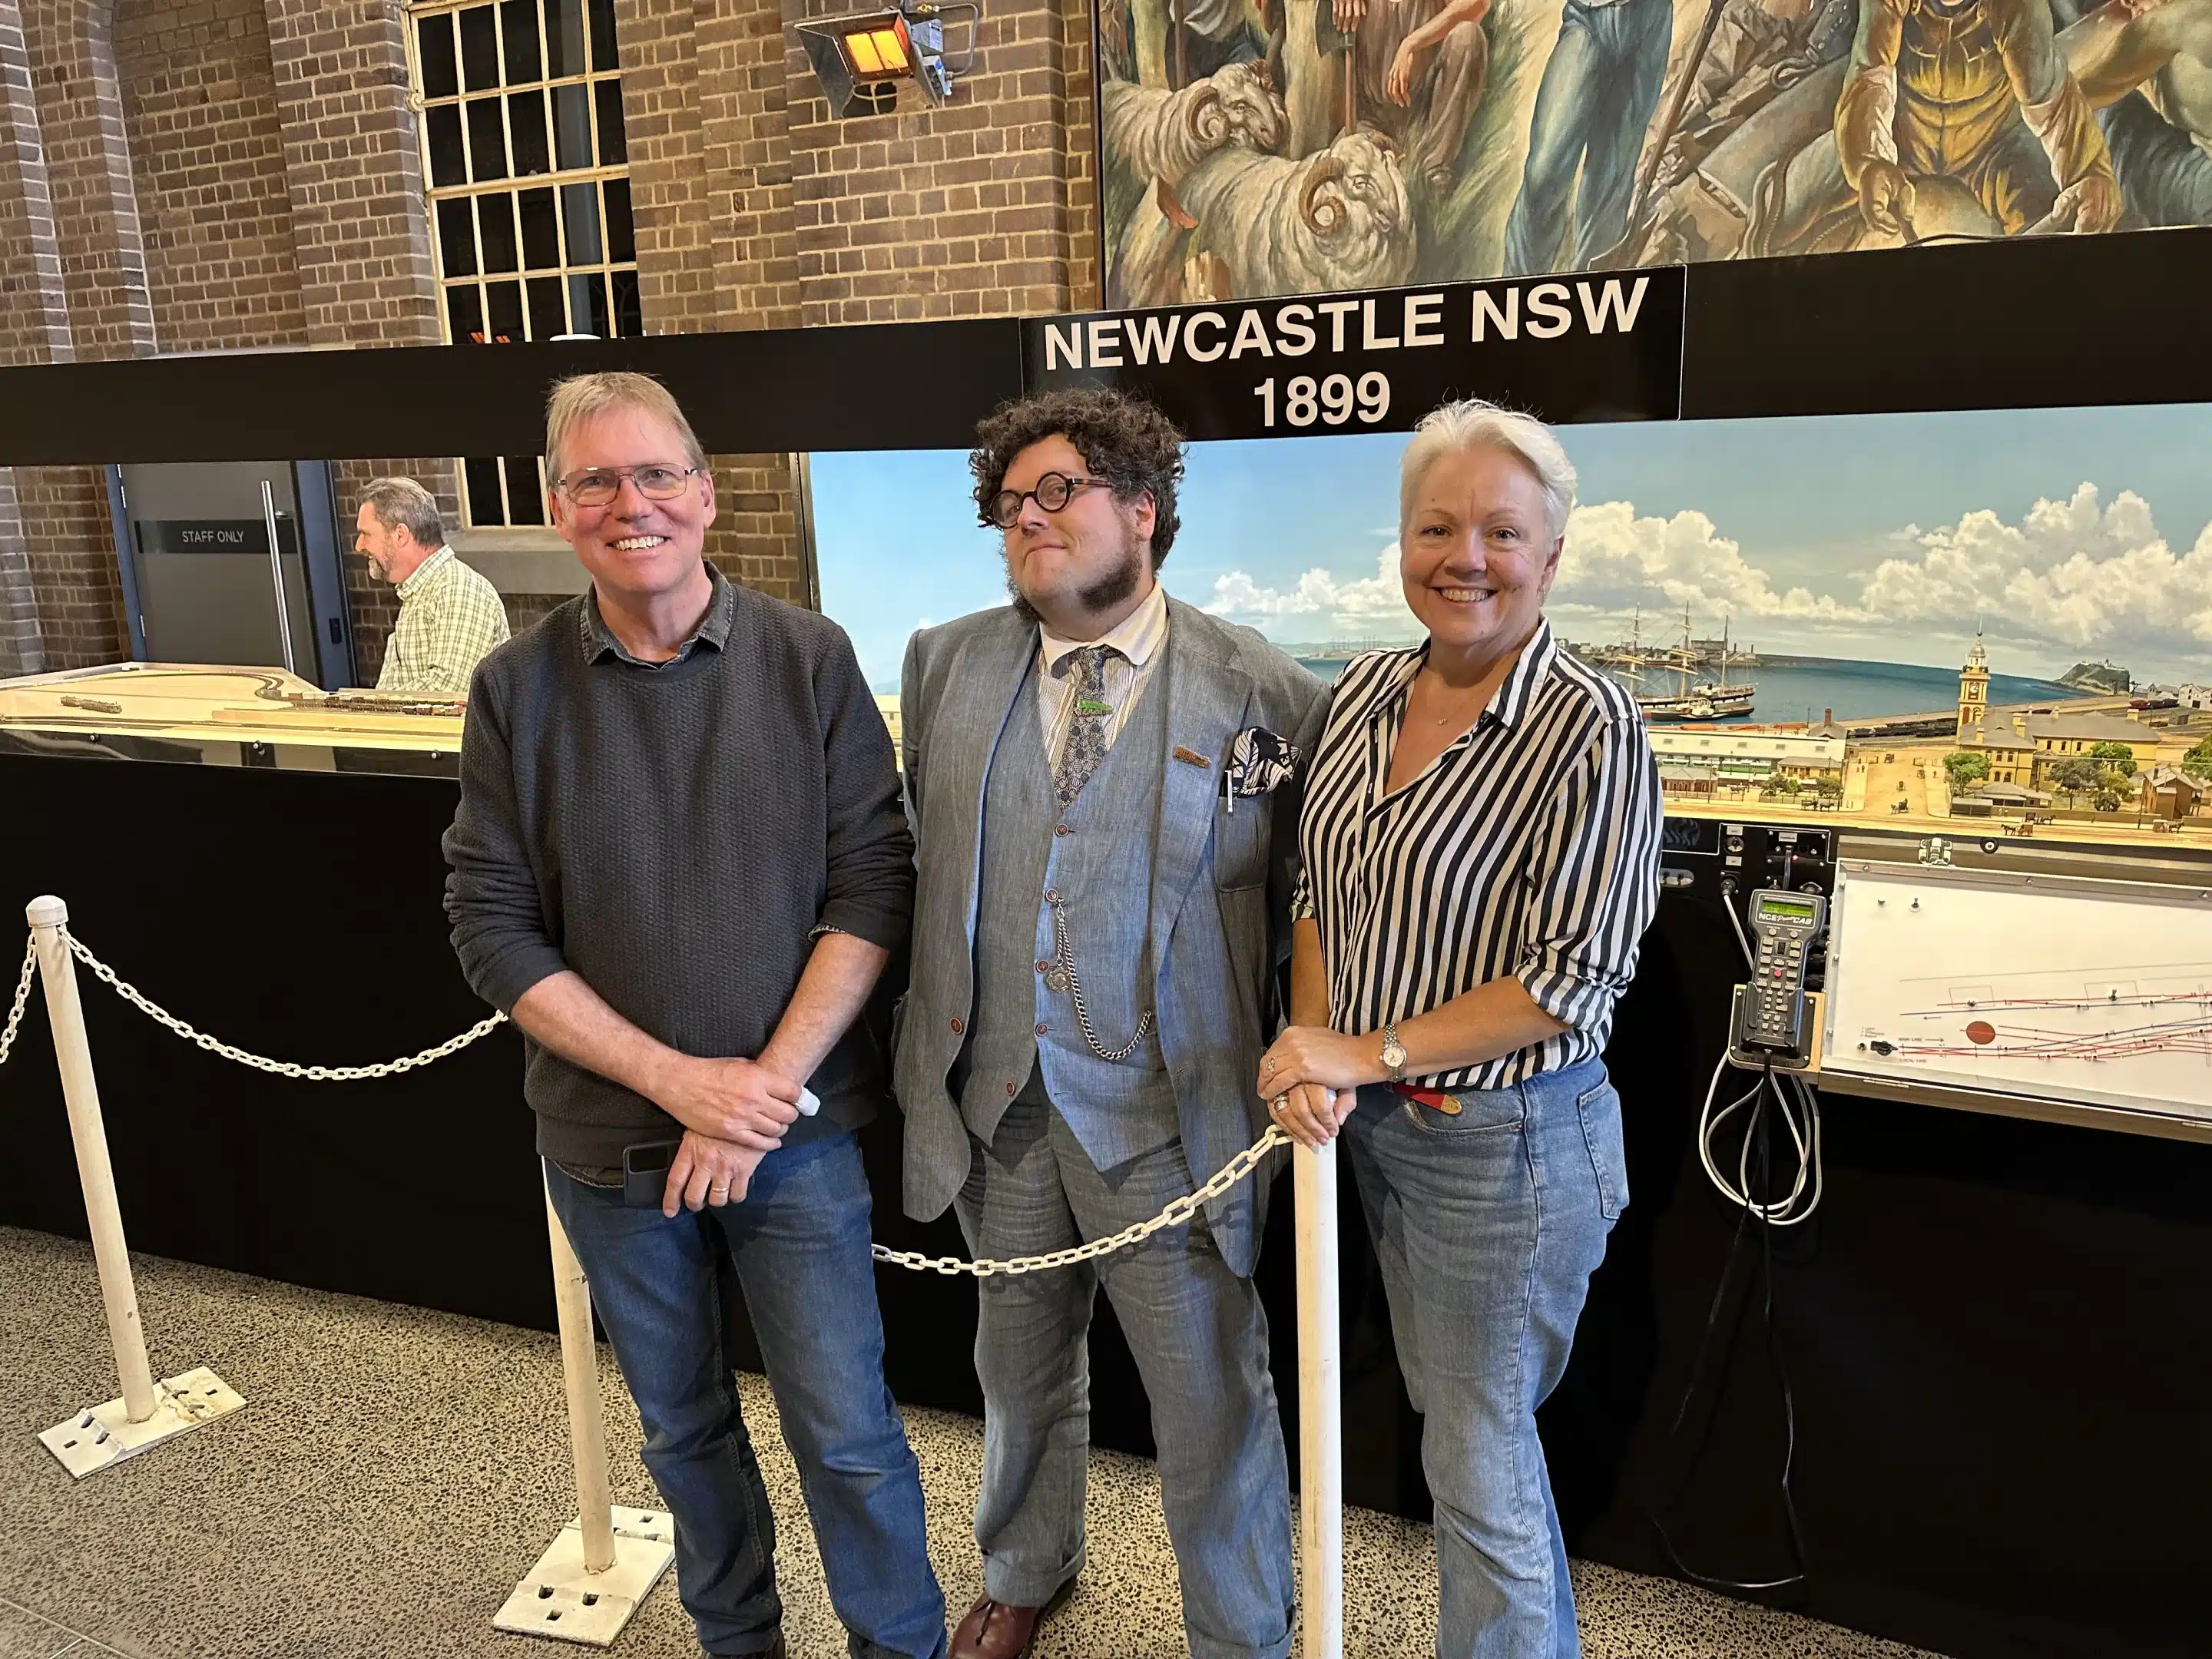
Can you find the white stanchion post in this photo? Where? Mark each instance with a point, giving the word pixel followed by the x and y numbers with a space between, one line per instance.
pixel 1321 1406
pixel 588 1583
pixel 580 1372
pixel 146 1412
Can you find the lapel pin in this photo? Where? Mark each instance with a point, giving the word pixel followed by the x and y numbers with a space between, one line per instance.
pixel 1192 757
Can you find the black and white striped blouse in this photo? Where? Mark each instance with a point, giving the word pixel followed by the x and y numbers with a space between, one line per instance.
pixel 1530 846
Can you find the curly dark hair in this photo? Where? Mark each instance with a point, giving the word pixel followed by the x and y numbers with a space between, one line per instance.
pixel 1122 439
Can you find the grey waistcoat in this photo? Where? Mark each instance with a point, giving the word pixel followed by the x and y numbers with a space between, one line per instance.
pixel 1102 870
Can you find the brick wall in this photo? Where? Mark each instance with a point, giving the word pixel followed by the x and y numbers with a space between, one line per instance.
pixel 747 160
pixel 1080 159
pixel 353 172
pixel 80 115
pixel 61 513
pixel 34 318
pixel 196 174
pixel 199 105
pixel 756 539
pixel 68 539
pixel 22 640
pixel 33 315
pixel 962 210
pixel 668 194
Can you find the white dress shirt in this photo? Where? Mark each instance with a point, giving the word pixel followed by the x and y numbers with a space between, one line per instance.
pixel 1139 639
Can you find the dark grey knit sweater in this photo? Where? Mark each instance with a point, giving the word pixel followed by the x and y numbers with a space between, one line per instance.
pixel 677 834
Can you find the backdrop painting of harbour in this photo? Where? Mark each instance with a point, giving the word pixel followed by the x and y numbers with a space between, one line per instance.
pixel 1809 689
pixel 1849 562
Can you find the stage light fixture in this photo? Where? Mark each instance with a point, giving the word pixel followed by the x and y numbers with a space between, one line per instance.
pixel 860 59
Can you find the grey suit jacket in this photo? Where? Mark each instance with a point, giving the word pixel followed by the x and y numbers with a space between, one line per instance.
pixel 1219 904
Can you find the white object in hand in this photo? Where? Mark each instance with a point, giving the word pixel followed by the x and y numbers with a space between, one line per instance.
pixel 808 1102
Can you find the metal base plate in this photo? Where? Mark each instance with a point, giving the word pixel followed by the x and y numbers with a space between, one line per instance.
pixel 564 1600
pixel 101 1436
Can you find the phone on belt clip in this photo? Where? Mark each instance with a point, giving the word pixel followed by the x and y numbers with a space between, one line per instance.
pixel 645 1171
pixel 645 1164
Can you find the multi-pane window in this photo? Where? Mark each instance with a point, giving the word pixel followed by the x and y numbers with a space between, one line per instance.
pixel 528 176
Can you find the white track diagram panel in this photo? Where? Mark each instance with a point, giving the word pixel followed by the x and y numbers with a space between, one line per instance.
pixel 2054 987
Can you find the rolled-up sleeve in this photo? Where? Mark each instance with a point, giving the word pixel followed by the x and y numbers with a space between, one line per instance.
pixel 492 896
pixel 869 893
pixel 1593 883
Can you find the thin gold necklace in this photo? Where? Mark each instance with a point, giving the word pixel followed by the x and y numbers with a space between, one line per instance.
pixel 1447 715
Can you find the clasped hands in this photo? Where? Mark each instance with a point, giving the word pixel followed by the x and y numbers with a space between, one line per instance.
pixel 734 1113
pixel 1311 1078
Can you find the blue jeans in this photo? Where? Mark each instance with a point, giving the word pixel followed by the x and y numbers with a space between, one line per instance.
pixel 1488 1226
pixel 1600 87
pixel 799 1244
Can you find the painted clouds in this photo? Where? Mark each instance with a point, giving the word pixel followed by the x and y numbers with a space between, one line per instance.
pixel 2073 577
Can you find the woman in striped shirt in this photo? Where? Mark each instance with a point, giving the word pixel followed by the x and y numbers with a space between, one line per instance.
pixel 1480 835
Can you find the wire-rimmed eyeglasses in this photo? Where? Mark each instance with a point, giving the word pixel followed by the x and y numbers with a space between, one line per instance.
pixel 1051 492
pixel 656 481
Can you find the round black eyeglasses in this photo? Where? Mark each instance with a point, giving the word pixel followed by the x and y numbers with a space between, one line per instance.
pixel 1052 492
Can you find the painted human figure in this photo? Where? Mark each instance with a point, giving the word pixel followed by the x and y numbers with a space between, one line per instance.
pixel 1758 49
pixel 1975 91
pixel 1420 67
pixel 1593 106
pixel 2146 67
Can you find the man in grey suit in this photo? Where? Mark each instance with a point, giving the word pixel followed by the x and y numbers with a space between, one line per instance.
pixel 1105 861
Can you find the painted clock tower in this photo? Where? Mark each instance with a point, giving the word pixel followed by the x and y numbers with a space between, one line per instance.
pixel 1974 689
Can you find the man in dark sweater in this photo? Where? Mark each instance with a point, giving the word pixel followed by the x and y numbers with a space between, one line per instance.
pixel 681 864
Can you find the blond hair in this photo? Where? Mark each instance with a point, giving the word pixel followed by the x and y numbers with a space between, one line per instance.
pixel 1472 423
pixel 582 398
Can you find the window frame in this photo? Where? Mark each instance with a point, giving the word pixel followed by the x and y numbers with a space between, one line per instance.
pixel 513 187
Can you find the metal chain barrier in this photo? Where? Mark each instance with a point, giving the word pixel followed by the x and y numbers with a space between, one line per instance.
pixel 154 1010
pixel 22 996
pixel 1176 1214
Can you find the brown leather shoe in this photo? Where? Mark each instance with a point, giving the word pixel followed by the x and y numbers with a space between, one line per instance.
pixel 992 1630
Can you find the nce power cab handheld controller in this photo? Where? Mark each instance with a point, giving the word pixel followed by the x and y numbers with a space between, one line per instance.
pixel 1773 1022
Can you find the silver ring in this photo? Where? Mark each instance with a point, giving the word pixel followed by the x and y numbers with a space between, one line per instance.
pixel 1281 1100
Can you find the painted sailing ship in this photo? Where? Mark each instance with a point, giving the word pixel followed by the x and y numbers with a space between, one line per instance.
pixel 1707 700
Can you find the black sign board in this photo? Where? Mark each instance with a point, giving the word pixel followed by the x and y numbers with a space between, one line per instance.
pixel 892 385
pixel 1601 347
pixel 211 536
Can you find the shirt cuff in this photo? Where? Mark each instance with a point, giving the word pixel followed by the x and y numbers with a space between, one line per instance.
pixel 1554 986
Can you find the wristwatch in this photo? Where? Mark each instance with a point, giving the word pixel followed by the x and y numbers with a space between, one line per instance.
pixel 1394 1054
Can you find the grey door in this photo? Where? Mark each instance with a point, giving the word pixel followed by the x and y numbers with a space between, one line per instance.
pixel 195 540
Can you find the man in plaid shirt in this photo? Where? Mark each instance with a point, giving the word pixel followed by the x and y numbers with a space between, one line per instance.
pixel 450 617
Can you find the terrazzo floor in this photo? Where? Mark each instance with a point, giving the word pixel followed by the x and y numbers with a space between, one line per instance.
pixel 396 1470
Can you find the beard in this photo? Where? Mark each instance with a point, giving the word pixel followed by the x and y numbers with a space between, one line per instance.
pixel 1103 594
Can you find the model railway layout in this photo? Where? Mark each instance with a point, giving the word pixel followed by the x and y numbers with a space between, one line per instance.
pixel 219 711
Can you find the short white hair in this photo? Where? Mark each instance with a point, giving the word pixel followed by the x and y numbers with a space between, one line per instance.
pixel 1472 423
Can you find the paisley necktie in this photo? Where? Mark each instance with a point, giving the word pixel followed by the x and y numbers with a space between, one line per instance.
pixel 1085 746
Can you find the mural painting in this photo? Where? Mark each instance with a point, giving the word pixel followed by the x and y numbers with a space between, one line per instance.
pixel 1258 147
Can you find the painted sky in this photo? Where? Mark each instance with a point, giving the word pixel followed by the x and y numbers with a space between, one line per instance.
pixel 2069 534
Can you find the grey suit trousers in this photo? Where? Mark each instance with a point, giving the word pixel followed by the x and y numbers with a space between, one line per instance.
pixel 1200 1336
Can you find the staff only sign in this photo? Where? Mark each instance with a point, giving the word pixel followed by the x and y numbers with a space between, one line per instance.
pixel 1576 348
